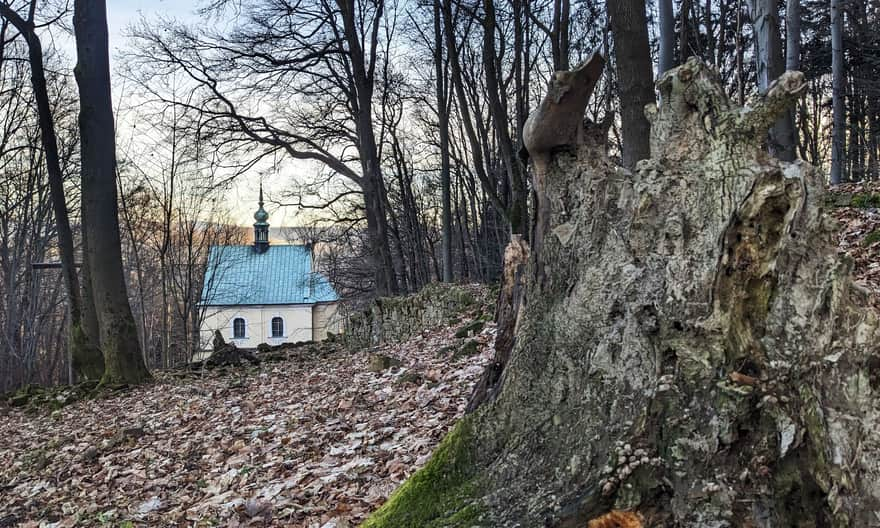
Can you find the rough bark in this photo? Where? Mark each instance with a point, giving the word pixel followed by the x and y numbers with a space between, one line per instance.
pixel 510 298
pixel 696 354
pixel 792 35
pixel 635 76
pixel 684 47
pixel 86 359
pixel 123 361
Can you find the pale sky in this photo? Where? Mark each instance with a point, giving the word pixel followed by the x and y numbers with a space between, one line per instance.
pixel 120 15
pixel 242 197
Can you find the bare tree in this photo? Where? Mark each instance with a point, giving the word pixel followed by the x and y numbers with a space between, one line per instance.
pixel 33 330
pixel 85 356
pixel 667 35
pixel 838 133
pixel 329 68
pixel 123 360
pixel 442 91
pixel 770 65
pixel 635 77
pixel 792 35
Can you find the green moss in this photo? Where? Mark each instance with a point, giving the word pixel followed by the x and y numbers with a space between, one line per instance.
pixel 410 377
pixel 88 361
pixel 438 495
pixel 865 200
pixel 873 237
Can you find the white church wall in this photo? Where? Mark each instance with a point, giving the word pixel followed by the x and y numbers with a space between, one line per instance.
pixel 326 318
pixel 258 324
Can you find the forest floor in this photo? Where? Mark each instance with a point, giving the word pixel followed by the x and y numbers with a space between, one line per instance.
pixel 317 439
pixel 856 206
pixel 314 440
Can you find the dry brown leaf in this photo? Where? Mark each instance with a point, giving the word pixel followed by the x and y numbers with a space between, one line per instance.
pixel 618 519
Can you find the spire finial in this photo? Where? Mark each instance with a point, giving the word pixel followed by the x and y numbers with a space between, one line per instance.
pixel 261 227
pixel 261 216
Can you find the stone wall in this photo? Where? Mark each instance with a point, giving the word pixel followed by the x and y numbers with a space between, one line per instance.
pixel 393 319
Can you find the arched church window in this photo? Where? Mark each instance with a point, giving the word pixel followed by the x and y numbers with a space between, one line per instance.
pixel 238 328
pixel 277 327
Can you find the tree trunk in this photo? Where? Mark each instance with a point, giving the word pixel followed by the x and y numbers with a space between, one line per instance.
pixel 838 132
pixel 740 77
pixel 442 89
pixel 518 210
pixel 770 64
pixel 123 360
pixel 793 35
pixel 684 50
pixel 373 185
pixel 85 356
pixel 696 353
pixel 635 79
pixel 667 36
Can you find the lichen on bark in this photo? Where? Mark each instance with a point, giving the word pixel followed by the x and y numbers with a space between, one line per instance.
pixel 690 345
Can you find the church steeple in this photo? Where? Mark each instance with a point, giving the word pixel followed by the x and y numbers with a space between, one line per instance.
pixel 261 227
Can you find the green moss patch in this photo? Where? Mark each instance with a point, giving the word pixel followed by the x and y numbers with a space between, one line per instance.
pixel 872 238
pixel 438 495
pixel 865 200
pixel 34 397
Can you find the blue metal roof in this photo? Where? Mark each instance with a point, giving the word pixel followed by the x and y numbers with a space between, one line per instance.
pixel 238 275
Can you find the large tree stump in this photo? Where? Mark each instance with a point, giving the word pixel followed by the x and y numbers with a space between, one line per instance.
pixel 693 349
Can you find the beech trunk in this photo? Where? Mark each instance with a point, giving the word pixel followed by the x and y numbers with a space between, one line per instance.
pixel 123 361
pixel 690 350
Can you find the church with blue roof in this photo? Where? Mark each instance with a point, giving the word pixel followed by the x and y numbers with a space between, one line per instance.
pixel 264 293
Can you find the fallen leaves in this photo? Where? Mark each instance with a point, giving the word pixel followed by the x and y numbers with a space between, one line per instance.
pixel 316 441
pixel 858 212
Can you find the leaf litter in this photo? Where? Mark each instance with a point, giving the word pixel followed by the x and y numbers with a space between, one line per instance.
pixel 856 207
pixel 316 440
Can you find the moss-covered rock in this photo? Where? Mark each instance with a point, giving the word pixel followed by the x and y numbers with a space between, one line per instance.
pixel 865 200
pixel 410 377
pixel 470 347
pixel 38 398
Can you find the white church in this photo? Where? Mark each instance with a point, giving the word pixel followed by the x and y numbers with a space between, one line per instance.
pixel 266 294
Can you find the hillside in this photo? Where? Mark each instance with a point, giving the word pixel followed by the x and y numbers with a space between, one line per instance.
pixel 317 439
pixel 856 206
